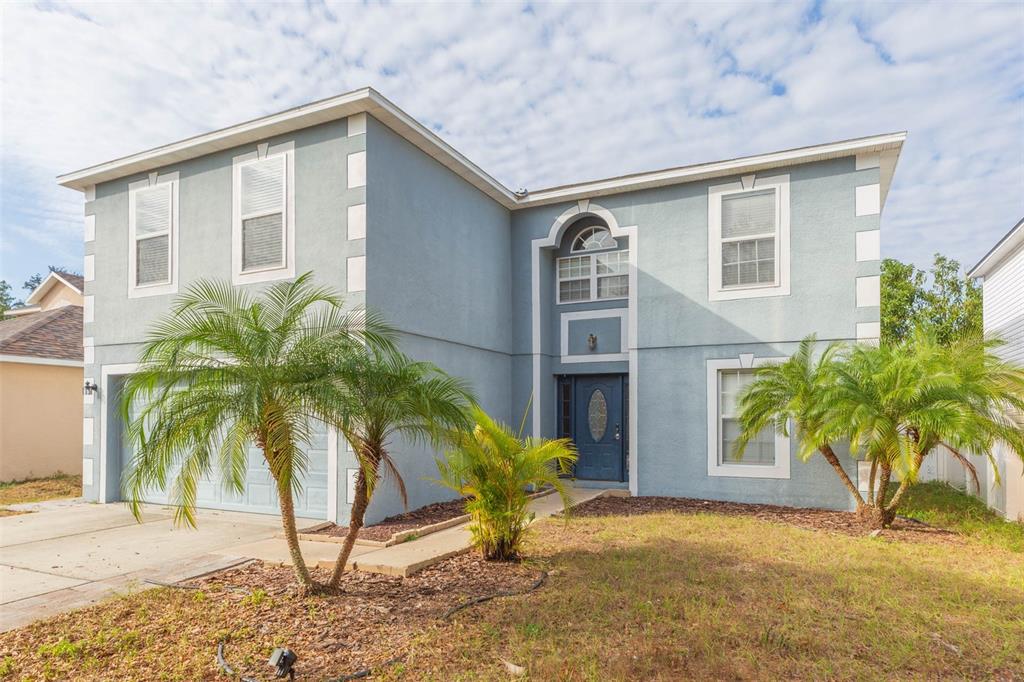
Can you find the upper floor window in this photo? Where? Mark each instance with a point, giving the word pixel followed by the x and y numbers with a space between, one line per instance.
pixel 748 245
pixel 153 236
pixel 263 235
pixel 593 239
pixel 599 276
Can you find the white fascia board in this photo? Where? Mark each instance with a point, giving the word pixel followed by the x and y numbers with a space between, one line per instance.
pixel 703 171
pixel 1003 248
pixel 32 360
pixel 51 280
pixel 368 100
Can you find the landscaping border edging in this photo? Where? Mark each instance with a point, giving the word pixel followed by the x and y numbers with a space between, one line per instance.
pixel 401 536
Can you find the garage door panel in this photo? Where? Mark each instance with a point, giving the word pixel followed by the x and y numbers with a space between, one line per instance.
pixel 259 494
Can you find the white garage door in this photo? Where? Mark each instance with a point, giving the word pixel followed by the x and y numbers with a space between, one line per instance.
pixel 259 494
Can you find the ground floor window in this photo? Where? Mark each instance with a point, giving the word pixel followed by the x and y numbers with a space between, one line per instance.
pixel 767 455
pixel 761 450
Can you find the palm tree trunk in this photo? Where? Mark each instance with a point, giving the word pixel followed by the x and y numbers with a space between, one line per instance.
pixel 830 456
pixel 904 485
pixel 355 523
pixel 291 536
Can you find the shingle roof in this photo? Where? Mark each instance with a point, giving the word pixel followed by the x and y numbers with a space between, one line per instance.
pixel 76 281
pixel 54 334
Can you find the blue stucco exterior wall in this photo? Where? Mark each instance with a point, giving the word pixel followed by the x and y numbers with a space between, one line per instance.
pixel 452 271
pixel 204 199
pixel 438 268
pixel 679 328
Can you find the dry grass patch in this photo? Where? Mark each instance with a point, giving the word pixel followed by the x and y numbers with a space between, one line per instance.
pixel 38 489
pixel 172 634
pixel 652 595
pixel 674 596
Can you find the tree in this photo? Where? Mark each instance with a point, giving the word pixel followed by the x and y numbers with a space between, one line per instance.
pixel 391 395
pixel 33 282
pixel 797 392
pixel 494 467
pixel 7 299
pixel 895 403
pixel 898 404
pixel 949 307
pixel 225 369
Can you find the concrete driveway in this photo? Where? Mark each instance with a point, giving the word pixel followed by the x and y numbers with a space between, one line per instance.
pixel 68 554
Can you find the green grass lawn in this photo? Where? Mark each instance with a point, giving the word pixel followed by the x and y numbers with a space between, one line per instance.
pixel 940 504
pixel 664 596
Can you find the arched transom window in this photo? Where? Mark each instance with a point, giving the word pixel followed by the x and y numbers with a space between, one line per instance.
pixel 593 239
pixel 596 269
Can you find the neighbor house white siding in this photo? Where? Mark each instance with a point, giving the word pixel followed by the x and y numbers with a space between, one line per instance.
pixel 1004 305
pixel 1003 309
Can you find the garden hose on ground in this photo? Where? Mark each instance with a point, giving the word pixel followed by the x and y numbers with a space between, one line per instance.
pixel 501 593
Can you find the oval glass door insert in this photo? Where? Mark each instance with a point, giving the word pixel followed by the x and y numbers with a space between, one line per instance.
pixel 597 415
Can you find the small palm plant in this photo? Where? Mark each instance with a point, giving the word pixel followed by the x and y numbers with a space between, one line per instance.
pixel 494 468
pixel 391 395
pixel 224 370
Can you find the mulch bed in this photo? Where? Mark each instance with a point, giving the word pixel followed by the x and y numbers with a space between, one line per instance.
pixel 371 624
pixel 842 522
pixel 373 620
pixel 410 520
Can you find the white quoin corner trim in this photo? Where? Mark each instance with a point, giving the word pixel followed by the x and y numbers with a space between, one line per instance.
pixel 582 208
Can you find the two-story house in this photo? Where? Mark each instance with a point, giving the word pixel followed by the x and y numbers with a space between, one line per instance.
pixel 624 312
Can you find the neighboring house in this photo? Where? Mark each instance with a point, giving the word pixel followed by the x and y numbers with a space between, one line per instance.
pixel 626 312
pixel 41 382
pixel 1002 273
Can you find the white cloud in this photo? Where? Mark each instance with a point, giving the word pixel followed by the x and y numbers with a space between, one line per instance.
pixel 536 95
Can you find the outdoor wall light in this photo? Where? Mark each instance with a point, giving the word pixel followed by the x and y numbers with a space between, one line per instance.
pixel 90 388
pixel 592 341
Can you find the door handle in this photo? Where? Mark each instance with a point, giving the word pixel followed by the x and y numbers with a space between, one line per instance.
pixel 618 436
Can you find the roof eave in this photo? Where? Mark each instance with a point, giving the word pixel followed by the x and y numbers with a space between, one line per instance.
pixel 367 100
pixel 877 143
pixel 46 285
pixel 1010 241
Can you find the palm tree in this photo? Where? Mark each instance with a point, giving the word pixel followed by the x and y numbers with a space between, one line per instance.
pixel 899 403
pixel 798 392
pixel 894 403
pixel 495 468
pixel 391 395
pixel 225 369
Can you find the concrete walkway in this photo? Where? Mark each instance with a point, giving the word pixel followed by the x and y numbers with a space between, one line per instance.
pixel 69 553
pixel 408 557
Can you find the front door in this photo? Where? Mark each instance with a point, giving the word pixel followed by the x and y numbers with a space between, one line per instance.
pixel 599 427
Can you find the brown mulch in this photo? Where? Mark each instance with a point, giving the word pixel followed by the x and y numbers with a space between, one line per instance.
pixel 372 623
pixel 842 522
pixel 410 520
pixel 374 618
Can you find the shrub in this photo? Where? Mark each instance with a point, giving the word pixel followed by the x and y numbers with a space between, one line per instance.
pixel 494 468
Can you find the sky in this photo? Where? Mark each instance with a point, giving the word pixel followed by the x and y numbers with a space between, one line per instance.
pixel 536 94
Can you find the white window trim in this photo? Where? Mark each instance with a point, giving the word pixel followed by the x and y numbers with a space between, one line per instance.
pixel 716 292
pixel 782 448
pixel 590 255
pixel 591 228
pixel 164 288
pixel 623 354
pixel 286 149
